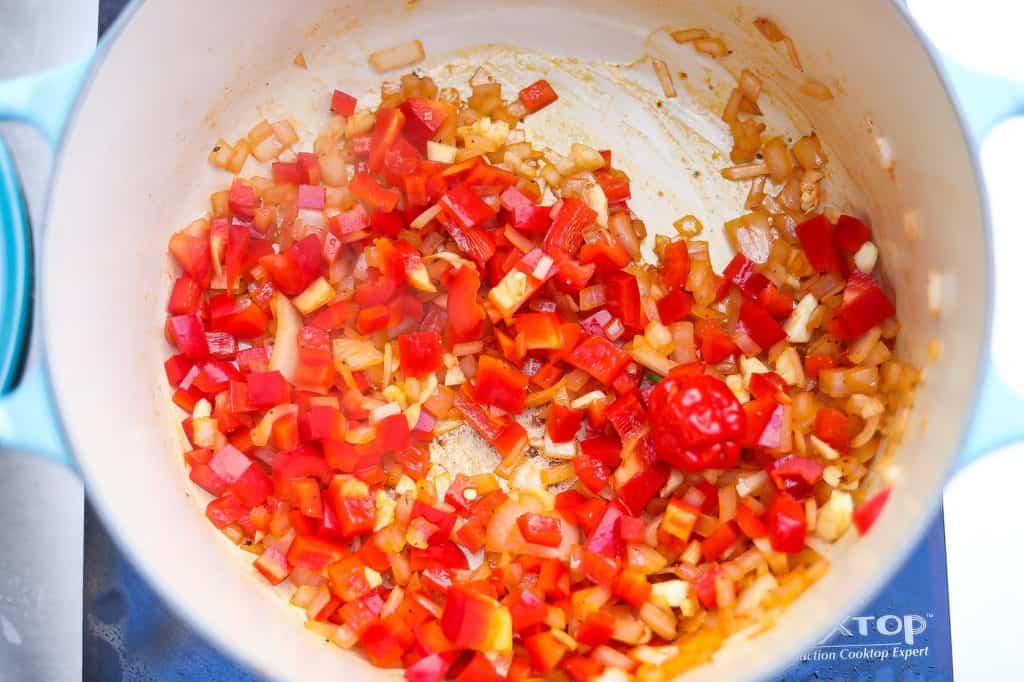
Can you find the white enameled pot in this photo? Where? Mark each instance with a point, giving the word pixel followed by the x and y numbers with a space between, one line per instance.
pixel 175 75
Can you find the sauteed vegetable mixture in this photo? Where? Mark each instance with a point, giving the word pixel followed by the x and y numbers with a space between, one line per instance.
pixel 678 447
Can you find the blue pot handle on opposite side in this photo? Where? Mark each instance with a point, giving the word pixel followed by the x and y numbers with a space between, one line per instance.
pixel 985 101
pixel 27 420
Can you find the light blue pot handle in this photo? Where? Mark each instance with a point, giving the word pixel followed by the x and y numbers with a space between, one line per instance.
pixel 27 421
pixel 998 421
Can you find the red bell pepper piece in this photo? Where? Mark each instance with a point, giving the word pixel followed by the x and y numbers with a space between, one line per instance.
pixel 314 553
pixel 750 523
pixel 393 433
pixel 787 524
pixel 252 487
pixel 540 529
pixel 387 641
pixel 615 184
pixel 541 331
pixel 176 367
pixel 343 103
pixel 778 304
pixel 605 537
pixel 537 95
pixel 186 295
pixel 622 293
pixel 675 306
pixel 473 620
pixel 225 510
pixel 366 188
pixel 486 426
pixel 484 175
pixel 864 305
pixel 716 345
pixel 592 473
pixel 599 358
pixel 207 479
pixel 267 389
pixel 242 200
pixel 599 568
pixel 596 629
pixel 465 316
pixel 607 255
pixel 813 364
pixel 766 385
pixel 545 650
pixel 569 219
pixel 419 353
pixel 580 668
pixel 675 265
pixel 627 415
pixel 818 243
pixel 480 669
pixel 499 384
pixel 385 131
pixel 192 251
pixel 465 207
pixel 742 272
pixel 430 668
pixel 632 587
pixel 760 325
pixel 286 173
pixel 423 118
pixel 723 538
pixel 865 514
pixel 851 233
pixel 563 423
pixel 187 334
pixel 641 489
pixel 795 475
pixel 355 511
pixel 833 427
pixel 369 320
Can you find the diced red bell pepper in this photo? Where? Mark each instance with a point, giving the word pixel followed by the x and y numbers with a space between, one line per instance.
pixel 253 487
pixel 563 423
pixel 343 103
pixel 675 265
pixel 187 334
pixel 679 519
pixel 186 295
pixel 537 95
pixel 385 131
pixel 473 620
pixel 795 475
pixel 569 220
pixel 851 233
pixel 490 177
pixel 267 389
pixel 423 118
pixel 387 641
pixel 480 669
pixel 350 221
pixel 742 272
pixel 499 384
pixel 715 545
pixel 465 316
pixel 225 510
pixel 749 522
pixel 242 200
pixel 207 479
pixel 192 251
pixel 813 364
pixel 580 668
pixel 766 385
pixel 239 317
pixel 354 508
pixel 541 331
pixel 592 473
pixel 531 219
pixel 366 188
pixel 641 489
pixel 540 529
pixel 599 358
pixel 607 255
pixel 605 538
pixel 818 242
pixel 864 305
pixel 393 433
pixel 787 524
pixel 833 427
pixel 716 345
pixel 314 553
pixel 466 403
pixel 632 587
pixel 372 319
pixel 615 184
pixel 622 295
pixel 675 306
pixel 286 173
pixel 760 325
pixel 778 304
pixel 545 650
pixel 465 207
pixel 599 568
pixel 419 353
pixel 596 629
pixel 865 514
pixel 430 668
pixel 177 367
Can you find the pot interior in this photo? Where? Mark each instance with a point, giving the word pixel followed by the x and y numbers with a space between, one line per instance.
pixel 178 76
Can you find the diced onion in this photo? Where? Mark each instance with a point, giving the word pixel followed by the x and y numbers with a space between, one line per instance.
pixel 688 34
pixel 398 56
